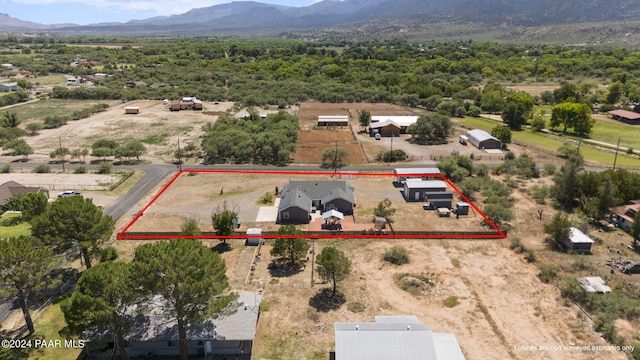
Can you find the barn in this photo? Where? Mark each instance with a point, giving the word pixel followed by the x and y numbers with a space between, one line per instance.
pixel 402 121
pixel 333 120
pixel 628 117
pixel 483 140
pixel 385 128
pixel 416 189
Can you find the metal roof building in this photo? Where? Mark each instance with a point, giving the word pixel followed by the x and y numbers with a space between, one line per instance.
pixel 483 140
pixel 391 338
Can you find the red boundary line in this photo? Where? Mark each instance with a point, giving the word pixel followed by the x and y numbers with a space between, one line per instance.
pixel 500 235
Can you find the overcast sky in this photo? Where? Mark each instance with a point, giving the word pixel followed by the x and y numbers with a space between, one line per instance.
pixel 85 12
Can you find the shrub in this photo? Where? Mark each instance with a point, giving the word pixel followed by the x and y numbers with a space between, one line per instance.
pixel 549 169
pixel 451 301
pixel 105 168
pixel 80 170
pixel 391 156
pixel 108 254
pixel 266 199
pixel 5 169
pixel 355 307
pixel 396 255
pixel 42 169
pixel 548 272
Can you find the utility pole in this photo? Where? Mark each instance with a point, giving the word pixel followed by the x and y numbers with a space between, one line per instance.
pixel 179 156
pixel 616 158
pixel 61 153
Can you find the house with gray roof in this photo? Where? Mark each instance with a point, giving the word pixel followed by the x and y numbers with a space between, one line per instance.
pixel 8 87
pixel 156 335
pixel 11 188
pixel 391 338
pixel 301 198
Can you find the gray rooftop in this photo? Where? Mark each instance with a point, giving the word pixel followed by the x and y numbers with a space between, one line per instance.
pixel 416 171
pixel 238 325
pixel 391 338
pixel 426 184
pixel 480 135
pixel 301 193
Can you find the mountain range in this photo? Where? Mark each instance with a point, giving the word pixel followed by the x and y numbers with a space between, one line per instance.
pixel 255 17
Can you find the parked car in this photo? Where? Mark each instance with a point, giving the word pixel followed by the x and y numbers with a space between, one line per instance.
pixel 377 136
pixel 69 193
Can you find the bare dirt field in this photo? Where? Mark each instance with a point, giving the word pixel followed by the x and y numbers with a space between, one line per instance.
pixel 312 142
pixel 501 305
pixel 155 125
pixel 201 195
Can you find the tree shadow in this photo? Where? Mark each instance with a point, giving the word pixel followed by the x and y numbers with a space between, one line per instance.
pixel 325 301
pixel 221 248
pixel 279 268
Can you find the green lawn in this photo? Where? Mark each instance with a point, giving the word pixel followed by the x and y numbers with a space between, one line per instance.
pixel 609 132
pixel 48 325
pixel 48 80
pixel 552 142
pixel 7 229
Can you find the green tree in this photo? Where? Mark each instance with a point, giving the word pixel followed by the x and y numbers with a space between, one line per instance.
pixel 10 119
pixel 290 249
pixel 33 128
pixel 73 222
pixel 572 115
pixel 61 153
pixel 365 118
pixel 25 267
pixel 223 222
pixel 385 210
pixel 190 228
pixel 29 205
pixel 557 231
pixel 502 133
pixel 131 149
pixel 566 182
pixel 517 109
pixel 190 278
pixel 430 127
pixel 538 123
pixel 19 147
pixel 615 92
pixel 334 158
pixel 333 266
pixel 102 303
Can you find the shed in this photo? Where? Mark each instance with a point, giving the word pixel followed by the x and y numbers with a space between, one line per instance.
pixel 415 189
pixel 254 236
pixel 440 199
pixel 333 120
pixel 8 87
pixel 403 174
pixel 483 140
pixel 462 208
pixel 578 241
pixel 131 109
pixel 464 139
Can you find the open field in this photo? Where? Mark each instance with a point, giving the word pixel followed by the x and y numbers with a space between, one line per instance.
pixel 486 325
pixel 156 126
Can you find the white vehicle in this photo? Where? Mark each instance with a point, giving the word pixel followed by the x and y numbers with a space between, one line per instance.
pixel 68 193
pixel 165 102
